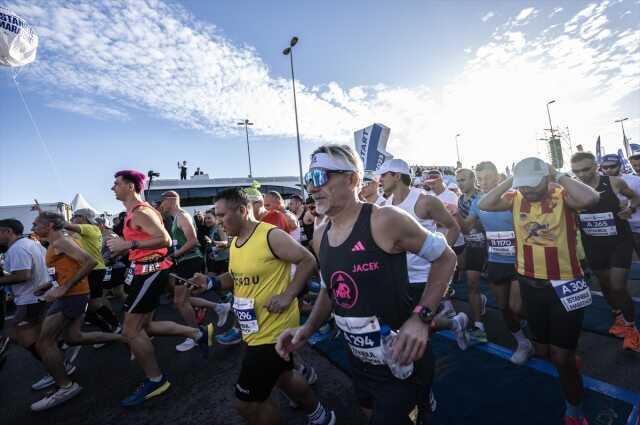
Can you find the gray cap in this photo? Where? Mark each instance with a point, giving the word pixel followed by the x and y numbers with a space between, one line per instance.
pixel 530 172
pixel 395 165
pixel 86 213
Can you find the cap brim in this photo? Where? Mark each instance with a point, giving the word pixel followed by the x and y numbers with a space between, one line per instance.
pixel 528 181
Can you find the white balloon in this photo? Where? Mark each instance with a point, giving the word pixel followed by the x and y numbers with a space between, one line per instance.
pixel 18 42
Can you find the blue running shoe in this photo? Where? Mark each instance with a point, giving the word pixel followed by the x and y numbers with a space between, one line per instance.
pixel 230 337
pixel 148 389
pixel 206 340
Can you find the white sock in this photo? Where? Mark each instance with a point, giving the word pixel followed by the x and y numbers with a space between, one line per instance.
pixel 319 415
pixel 520 337
pixel 479 325
pixel 156 379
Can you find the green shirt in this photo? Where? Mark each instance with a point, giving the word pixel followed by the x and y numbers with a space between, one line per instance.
pixel 91 241
pixel 179 239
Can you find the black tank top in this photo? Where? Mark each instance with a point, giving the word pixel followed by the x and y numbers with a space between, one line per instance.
pixel 363 280
pixel 601 221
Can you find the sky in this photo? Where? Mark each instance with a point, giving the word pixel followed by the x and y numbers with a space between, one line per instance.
pixel 144 83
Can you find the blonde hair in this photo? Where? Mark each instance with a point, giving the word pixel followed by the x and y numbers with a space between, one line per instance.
pixel 344 152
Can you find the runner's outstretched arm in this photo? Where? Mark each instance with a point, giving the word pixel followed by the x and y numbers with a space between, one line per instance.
pixel 493 201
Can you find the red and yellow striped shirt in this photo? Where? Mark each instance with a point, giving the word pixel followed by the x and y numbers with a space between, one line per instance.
pixel 546 235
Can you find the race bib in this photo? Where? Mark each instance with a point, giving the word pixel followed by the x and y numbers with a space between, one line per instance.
pixel 573 294
pixel 130 273
pixel 53 277
pixel 362 334
pixel 602 224
pixel 474 238
pixel 107 274
pixel 502 243
pixel 246 314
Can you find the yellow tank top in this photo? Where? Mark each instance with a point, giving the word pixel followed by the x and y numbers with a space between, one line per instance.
pixel 546 238
pixel 258 275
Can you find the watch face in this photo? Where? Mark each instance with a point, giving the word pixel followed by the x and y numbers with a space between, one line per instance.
pixel 426 314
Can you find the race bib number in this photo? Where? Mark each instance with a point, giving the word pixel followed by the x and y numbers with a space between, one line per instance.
pixel 502 243
pixel 474 238
pixel 602 224
pixel 107 274
pixel 246 314
pixel 146 268
pixel 130 273
pixel 362 334
pixel 573 294
pixel 53 277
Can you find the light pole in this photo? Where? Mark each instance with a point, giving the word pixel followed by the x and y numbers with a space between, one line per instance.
pixel 458 148
pixel 288 51
pixel 549 115
pixel 246 123
pixel 624 136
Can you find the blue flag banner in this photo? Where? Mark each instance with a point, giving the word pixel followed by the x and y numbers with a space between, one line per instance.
pixel 598 151
pixel 371 145
pixel 626 166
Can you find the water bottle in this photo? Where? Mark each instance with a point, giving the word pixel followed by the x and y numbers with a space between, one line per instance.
pixel 386 338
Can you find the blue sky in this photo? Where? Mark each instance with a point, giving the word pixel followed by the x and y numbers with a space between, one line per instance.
pixel 142 84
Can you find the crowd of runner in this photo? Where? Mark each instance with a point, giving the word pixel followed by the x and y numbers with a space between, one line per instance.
pixel 371 256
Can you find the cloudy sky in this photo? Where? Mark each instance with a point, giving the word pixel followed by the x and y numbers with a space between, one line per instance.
pixel 144 83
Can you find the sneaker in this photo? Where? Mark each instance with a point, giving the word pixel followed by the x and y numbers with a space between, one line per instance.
pixel 522 353
pixel 56 397
pixel 72 353
pixel 148 389
pixel 570 420
pixel 230 337
pixel 330 419
pixel 460 322
pixel 446 310
pixel 618 329
pixel 632 339
pixel 186 345
pixel 222 310
pixel 483 304
pixel 478 335
pixel 206 340
pixel 309 374
pixel 47 380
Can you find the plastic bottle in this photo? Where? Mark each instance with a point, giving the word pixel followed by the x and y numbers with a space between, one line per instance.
pixel 386 338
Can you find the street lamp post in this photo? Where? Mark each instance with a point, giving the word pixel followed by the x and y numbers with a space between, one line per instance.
pixel 549 115
pixel 246 123
pixel 289 52
pixel 458 148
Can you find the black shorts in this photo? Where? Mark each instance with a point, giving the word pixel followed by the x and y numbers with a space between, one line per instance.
pixel 29 314
pixel 548 320
pixel 459 249
pixel 116 277
pixel 95 283
pixel 143 294
pixel 607 253
pixel 72 306
pixel 218 267
pixel 475 258
pixel 187 268
pixel 261 368
pixel 390 399
pixel 498 273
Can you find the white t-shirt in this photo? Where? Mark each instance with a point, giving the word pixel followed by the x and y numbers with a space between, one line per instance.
pixel 634 184
pixel 450 201
pixel 25 254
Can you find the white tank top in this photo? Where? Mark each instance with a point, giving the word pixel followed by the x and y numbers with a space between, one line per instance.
pixel 417 267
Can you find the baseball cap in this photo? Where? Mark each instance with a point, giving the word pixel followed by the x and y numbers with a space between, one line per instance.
pixel 610 157
pixel 369 176
pixel 395 165
pixel 432 176
pixel 529 172
pixel 86 213
pixel 635 151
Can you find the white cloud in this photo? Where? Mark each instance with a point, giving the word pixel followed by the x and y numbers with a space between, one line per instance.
pixel 468 50
pixel 526 13
pixel 555 12
pixel 488 16
pixel 88 107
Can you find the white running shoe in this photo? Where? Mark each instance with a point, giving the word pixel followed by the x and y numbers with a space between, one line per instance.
pixel 222 310
pixel 47 380
pixel 447 310
pixel 72 353
pixel 522 353
pixel 186 345
pixel 483 304
pixel 460 322
pixel 57 397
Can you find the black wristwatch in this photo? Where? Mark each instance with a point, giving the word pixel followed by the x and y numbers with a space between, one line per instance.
pixel 424 313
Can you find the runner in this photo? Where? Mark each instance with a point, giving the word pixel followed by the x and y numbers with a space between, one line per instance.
pixel 501 271
pixel 146 241
pixel 187 260
pixel 475 253
pixel 274 203
pixel 363 262
pixel 68 292
pixel 551 279
pixel 369 192
pixel 634 159
pixel 265 305
pixel 297 208
pixel 608 242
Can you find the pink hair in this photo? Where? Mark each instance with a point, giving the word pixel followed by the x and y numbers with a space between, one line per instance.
pixel 133 176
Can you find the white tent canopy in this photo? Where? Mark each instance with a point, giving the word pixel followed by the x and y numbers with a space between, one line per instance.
pixel 79 202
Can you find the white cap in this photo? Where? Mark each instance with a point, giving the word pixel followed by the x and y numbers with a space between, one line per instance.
pixel 395 165
pixel 529 172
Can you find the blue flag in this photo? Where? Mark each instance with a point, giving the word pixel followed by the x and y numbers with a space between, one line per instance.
pixel 626 166
pixel 598 151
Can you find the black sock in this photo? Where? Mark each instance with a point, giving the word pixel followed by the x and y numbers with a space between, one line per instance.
pixel 96 320
pixel 34 352
pixel 106 313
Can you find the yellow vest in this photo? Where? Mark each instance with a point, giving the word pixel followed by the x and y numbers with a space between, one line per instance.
pixel 258 275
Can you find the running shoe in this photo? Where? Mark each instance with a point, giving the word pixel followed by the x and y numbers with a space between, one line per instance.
pixel 330 419
pixel 478 336
pixel 148 389
pixel 186 345
pixel 618 329
pixel 47 380
pixel 483 304
pixel 632 339
pixel 570 420
pixel 206 339
pixel 445 310
pixel 460 322
pixel 522 353
pixel 72 353
pixel 222 310
pixel 230 337
pixel 56 397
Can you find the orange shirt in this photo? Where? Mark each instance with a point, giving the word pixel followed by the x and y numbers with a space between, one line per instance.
pixel 277 218
pixel 65 268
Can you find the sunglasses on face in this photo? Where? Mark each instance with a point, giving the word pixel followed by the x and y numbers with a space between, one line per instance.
pixel 319 177
pixel 608 167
